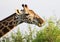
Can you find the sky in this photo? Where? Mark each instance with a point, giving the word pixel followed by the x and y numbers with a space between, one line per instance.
pixel 44 8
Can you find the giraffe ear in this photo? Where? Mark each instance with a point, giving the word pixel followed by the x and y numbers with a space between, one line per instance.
pixel 18 12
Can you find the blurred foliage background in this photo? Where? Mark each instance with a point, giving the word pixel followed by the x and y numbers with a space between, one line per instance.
pixel 49 33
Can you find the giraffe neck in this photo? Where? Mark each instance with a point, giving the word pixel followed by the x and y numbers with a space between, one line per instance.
pixel 9 23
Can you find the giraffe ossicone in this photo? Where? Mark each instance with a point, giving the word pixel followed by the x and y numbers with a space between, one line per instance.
pixel 25 15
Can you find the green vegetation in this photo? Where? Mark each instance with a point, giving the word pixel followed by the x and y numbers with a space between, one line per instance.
pixel 50 33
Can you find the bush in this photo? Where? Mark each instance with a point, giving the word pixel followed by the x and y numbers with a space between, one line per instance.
pixel 50 33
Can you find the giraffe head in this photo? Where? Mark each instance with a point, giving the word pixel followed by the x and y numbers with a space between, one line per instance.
pixel 29 16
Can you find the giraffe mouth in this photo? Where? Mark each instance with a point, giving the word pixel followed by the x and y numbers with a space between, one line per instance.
pixel 40 25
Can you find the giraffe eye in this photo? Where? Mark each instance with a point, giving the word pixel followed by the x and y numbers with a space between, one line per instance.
pixel 26 14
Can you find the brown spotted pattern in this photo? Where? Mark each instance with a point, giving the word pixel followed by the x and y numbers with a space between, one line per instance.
pixel 25 15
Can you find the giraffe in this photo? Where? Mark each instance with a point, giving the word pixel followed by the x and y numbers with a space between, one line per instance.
pixel 32 16
pixel 25 15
